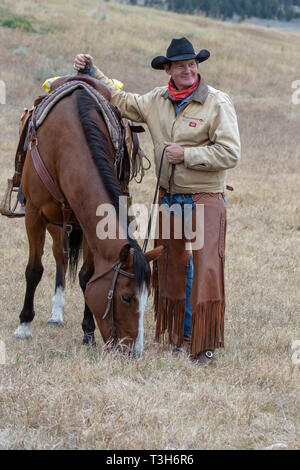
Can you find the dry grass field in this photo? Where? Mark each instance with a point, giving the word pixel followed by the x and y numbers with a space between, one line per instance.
pixel 54 394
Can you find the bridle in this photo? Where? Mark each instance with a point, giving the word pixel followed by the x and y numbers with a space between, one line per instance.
pixel 116 267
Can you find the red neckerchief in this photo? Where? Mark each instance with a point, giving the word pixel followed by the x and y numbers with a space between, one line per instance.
pixel 178 95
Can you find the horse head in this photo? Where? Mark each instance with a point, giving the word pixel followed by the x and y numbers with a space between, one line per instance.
pixel 117 296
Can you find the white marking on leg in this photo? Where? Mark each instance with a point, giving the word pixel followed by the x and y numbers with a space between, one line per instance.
pixel 142 298
pixel 58 303
pixel 23 331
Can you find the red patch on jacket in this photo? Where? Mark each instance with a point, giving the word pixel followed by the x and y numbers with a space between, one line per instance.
pixel 192 124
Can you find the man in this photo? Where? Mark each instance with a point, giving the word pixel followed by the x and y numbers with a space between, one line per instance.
pixel 197 126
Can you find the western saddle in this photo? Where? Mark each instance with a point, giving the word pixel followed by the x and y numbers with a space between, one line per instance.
pixel 122 131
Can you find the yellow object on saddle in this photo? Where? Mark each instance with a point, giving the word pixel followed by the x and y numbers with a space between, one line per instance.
pixel 117 84
pixel 47 83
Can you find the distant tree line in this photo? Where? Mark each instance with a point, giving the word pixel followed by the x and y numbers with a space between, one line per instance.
pixel 268 9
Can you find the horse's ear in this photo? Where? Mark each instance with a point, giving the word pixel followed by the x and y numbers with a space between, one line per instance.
pixel 124 253
pixel 155 253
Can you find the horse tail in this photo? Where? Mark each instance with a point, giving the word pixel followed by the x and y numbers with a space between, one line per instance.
pixel 75 250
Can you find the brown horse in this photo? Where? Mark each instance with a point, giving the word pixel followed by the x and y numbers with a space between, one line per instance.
pixel 76 148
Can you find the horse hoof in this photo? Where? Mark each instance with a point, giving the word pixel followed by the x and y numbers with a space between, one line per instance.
pixel 54 324
pixel 23 331
pixel 89 339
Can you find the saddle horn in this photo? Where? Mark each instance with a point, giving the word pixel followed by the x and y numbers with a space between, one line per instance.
pixel 86 70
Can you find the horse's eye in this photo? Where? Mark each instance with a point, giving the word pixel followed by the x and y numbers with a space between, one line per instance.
pixel 126 298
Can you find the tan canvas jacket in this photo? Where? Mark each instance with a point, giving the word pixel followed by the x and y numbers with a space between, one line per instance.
pixel 206 127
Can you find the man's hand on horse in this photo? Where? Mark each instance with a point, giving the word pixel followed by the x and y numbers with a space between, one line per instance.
pixel 81 60
pixel 174 152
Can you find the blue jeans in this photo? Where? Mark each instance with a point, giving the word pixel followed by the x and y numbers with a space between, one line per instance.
pixel 187 205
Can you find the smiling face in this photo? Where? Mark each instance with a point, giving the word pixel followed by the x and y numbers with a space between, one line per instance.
pixel 183 72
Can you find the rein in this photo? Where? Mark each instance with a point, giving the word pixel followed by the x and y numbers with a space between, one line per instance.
pixel 146 240
pixel 145 244
pixel 150 218
pixel 117 266
pixel 168 244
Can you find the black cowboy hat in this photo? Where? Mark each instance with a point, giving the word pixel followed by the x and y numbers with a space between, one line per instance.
pixel 179 49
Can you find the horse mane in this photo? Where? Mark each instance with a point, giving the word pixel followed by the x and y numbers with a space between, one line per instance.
pixel 100 151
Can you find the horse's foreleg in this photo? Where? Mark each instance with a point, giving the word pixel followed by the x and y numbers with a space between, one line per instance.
pixel 88 323
pixel 35 228
pixel 58 300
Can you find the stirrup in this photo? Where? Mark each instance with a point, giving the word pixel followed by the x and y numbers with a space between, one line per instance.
pixel 5 207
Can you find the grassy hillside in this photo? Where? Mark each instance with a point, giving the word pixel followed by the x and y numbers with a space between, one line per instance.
pixel 54 394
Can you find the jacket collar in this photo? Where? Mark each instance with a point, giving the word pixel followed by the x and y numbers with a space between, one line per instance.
pixel 200 94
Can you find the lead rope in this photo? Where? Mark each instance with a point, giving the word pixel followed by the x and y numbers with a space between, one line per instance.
pixel 168 244
pixel 151 214
pixel 145 244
